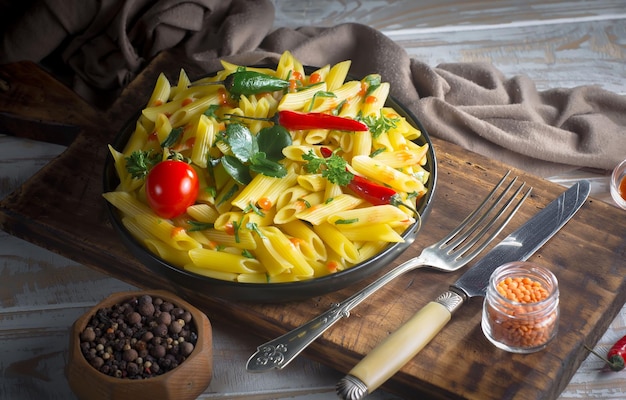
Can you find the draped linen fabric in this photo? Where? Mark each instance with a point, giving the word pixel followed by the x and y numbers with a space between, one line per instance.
pixel 104 44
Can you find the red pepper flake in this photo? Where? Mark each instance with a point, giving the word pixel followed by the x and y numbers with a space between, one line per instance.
pixel 296 75
pixel 370 99
pixel 223 96
pixel 264 203
pixel 177 231
pixel 315 78
pixel 332 266
pixel 364 87
pixel 229 228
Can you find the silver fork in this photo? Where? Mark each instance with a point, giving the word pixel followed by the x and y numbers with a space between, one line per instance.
pixel 452 252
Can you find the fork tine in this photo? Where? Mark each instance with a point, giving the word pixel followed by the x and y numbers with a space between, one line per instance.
pixel 474 213
pixel 487 239
pixel 476 224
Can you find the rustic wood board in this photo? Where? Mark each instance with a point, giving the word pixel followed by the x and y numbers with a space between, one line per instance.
pixel 61 209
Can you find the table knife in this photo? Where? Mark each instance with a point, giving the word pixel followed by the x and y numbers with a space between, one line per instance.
pixel 402 345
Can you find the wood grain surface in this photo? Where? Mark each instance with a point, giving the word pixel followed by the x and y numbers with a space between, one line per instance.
pixel 555 43
pixel 587 258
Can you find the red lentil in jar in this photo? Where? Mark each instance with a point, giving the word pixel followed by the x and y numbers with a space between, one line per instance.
pixel 521 307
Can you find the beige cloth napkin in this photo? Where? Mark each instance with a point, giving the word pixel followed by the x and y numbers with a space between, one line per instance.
pixel 106 43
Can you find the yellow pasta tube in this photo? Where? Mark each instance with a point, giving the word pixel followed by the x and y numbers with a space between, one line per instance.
pixel 162 127
pixel 187 112
pixel 127 203
pixel 276 241
pixel 297 100
pixel 290 195
pixel 137 231
pixel 224 261
pixel 319 212
pixel 337 74
pixel 361 143
pixel 374 232
pixel 401 158
pixel 288 212
pixel 221 275
pixel 335 240
pixel 243 240
pixel 174 236
pixel 312 182
pixel 376 100
pixel 366 216
pixel 204 139
pixel 176 257
pixel 202 212
pixel 380 172
pixel 312 246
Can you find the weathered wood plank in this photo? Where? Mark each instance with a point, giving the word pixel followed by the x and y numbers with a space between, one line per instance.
pixel 394 15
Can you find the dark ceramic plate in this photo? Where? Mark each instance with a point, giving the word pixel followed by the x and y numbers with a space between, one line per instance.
pixel 274 292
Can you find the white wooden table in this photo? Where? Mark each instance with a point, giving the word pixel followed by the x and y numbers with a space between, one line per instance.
pixel 557 44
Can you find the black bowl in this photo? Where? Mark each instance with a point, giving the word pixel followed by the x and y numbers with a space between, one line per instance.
pixel 273 292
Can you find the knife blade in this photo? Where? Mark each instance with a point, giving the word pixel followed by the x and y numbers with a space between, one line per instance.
pixel 402 345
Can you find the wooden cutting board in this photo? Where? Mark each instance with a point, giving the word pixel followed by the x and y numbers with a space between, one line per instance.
pixel 61 209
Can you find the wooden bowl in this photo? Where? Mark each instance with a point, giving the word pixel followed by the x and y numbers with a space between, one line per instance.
pixel 187 381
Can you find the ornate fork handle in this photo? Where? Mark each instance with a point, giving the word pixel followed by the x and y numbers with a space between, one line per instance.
pixel 282 350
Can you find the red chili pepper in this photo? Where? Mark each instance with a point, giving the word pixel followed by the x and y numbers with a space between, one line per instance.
pixel 372 192
pixel 616 355
pixel 295 120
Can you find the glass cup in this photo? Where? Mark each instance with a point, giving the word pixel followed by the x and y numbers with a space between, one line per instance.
pixel 618 185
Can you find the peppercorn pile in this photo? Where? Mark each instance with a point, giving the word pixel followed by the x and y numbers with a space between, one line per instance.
pixel 139 338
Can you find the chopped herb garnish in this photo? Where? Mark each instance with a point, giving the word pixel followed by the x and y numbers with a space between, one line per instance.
pixel 210 112
pixel 246 253
pixel 378 151
pixel 139 163
pixel 173 137
pixel 332 168
pixel 231 192
pixel 253 208
pixel 379 125
pixel 199 226
pixel 255 228
pixel 318 95
pixel 306 203
pixel 346 221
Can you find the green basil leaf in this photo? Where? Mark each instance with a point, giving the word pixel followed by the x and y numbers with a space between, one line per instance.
pixel 261 165
pixel 241 141
pixel 235 168
pixel 272 141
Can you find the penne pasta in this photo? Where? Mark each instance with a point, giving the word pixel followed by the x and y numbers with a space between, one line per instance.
pixel 294 218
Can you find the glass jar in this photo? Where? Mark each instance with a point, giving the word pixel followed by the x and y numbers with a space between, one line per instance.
pixel 521 307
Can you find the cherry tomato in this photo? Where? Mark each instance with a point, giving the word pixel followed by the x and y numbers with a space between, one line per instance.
pixel 171 187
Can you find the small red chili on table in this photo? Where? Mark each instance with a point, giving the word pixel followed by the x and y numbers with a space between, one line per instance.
pixel 616 355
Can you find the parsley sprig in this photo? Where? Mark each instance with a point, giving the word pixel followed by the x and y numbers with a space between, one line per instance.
pixel 139 163
pixel 379 125
pixel 332 168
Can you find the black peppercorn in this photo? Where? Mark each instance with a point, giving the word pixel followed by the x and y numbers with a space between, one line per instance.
pixel 139 338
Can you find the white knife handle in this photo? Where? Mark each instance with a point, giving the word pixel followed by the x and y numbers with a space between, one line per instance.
pixel 398 348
